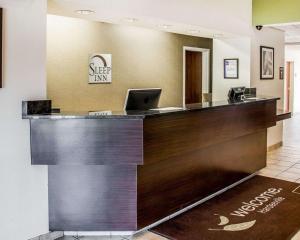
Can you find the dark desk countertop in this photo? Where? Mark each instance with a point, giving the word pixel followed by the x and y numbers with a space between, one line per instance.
pixel 105 114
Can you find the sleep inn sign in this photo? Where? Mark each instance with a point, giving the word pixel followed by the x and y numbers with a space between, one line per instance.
pixel 100 68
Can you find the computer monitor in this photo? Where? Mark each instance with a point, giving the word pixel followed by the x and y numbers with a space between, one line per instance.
pixel 142 99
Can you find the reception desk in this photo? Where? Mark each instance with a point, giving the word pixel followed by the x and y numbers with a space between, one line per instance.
pixel 118 171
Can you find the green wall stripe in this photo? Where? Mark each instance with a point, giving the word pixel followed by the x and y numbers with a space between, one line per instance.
pixel 275 11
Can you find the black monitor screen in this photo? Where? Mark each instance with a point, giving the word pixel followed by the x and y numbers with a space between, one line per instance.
pixel 142 99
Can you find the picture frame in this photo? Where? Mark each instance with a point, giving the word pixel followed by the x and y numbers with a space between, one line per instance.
pixel 281 73
pixel 266 63
pixel 231 68
pixel 1 47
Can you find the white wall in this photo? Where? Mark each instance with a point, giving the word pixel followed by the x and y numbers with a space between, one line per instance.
pixel 271 38
pixel 292 53
pixel 230 48
pixel 23 201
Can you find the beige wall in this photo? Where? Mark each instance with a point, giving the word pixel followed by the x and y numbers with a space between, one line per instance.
pixel 140 58
pixel 271 38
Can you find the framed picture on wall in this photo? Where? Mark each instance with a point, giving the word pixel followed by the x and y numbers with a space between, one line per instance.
pixel 281 73
pixel 231 68
pixel 266 63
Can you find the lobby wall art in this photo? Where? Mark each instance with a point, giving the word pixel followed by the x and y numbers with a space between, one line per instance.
pixel 231 68
pixel 266 63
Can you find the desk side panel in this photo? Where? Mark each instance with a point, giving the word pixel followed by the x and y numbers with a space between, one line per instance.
pixel 86 142
pixel 92 198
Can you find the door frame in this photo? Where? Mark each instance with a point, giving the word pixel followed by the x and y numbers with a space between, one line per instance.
pixel 205 68
pixel 289 83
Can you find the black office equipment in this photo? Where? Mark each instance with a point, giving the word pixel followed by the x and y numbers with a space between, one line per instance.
pixel 250 92
pixel 236 94
pixel 142 99
pixel 36 107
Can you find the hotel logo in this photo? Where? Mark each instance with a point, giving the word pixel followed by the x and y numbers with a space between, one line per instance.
pixel 262 203
pixel 100 68
pixel 224 222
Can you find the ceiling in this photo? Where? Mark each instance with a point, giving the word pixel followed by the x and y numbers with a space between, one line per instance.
pixel 292 32
pixel 122 12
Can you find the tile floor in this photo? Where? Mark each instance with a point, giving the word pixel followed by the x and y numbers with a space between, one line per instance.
pixel 283 163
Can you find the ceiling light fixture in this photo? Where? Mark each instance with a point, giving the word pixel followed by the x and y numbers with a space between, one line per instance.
pixel 85 12
pixel 218 35
pixel 165 26
pixel 193 31
pixel 130 20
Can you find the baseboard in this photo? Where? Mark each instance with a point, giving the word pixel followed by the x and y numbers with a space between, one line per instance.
pixel 275 146
pixel 98 233
pixel 49 236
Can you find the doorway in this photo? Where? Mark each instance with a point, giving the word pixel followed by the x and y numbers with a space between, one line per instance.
pixel 195 75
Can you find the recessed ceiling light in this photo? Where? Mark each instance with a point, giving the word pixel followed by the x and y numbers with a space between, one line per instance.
pixel 218 35
pixel 165 26
pixel 130 20
pixel 193 31
pixel 85 12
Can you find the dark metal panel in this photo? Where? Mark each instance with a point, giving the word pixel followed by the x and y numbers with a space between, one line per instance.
pixel 86 141
pixel 92 198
